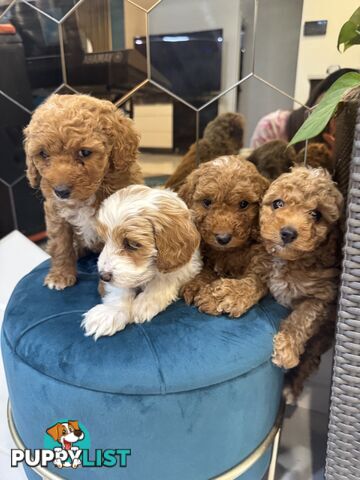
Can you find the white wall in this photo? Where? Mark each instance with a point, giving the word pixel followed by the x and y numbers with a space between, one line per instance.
pixel 316 54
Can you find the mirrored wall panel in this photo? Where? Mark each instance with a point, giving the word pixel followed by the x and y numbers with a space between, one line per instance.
pixel 56 9
pixel 195 76
pixel 167 128
pixel 31 53
pixel 101 57
pixel 276 38
pixel 21 206
pixel 199 49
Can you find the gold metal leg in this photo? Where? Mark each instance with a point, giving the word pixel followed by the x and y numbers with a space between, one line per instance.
pixel 274 456
pixel 272 438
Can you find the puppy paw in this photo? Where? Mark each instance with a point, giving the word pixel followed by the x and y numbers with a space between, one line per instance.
pixel 59 281
pixel 190 291
pixel 104 320
pixel 286 353
pixel 144 309
pixel 231 297
pixel 230 304
pixel 206 302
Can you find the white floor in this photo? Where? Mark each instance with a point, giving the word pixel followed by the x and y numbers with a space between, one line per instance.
pixel 17 257
pixel 303 442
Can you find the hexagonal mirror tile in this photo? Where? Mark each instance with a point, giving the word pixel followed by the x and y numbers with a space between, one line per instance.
pixel 101 57
pixel 12 121
pixel 55 8
pixel 280 54
pixel 221 129
pixel 199 49
pixel 221 132
pixel 146 4
pixel 21 207
pixel 167 128
pixel 28 208
pixel 257 100
pixel 31 54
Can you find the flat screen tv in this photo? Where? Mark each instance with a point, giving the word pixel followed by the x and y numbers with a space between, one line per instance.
pixel 188 64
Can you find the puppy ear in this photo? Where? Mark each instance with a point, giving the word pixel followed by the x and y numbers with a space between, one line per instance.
pixel 333 203
pixel 32 172
pixel 124 139
pixel 75 424
pixel 176 239
pixel 187 190
pixel 261 184
pixel 54 431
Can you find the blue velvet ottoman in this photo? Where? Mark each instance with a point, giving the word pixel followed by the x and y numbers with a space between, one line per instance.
pixel 190 394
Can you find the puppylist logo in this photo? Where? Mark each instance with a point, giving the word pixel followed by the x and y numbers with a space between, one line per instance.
pixel 67 445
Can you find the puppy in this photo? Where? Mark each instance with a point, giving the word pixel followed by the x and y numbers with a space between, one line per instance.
pixel 79 150
pixel 151 251
pixel 225 195
pixel 222 136
pixel 299 228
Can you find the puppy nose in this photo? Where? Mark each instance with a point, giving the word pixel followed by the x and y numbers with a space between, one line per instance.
pixel 223 238
pixel 288 234
pixel 106 276
pixel 62 191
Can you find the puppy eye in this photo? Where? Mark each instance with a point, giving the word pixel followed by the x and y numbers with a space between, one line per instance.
pixel 83 153
pixel 131 246
pixel 243 204
pixel 277 204
pixel 316 215
pixel 64 432
pixel 43 154
pixel 71 428
pixel 206 202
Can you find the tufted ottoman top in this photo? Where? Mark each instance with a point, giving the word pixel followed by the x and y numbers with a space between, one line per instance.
pixel 179 350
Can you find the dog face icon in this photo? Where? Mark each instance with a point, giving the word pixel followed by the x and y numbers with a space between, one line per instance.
pixel 66 433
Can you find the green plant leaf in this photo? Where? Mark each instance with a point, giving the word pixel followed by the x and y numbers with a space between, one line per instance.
pixel 325 109
pixel 350 32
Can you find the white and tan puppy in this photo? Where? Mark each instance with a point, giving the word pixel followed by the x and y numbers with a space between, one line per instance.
pixel 151 250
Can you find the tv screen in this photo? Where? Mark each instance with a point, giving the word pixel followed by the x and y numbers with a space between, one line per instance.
pixel 188 64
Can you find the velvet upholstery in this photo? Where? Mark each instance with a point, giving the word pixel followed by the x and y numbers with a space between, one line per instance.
pixel 190 394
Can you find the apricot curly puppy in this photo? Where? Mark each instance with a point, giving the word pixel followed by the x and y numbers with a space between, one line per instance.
pixel 79 150
pixel 298 222
pixel 224 195
pixel 222 136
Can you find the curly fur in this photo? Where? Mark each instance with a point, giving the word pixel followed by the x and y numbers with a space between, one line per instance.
pixel 304 273
pixel 58 130
pixel 234 275
pixel 273 158
pixel 222 136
